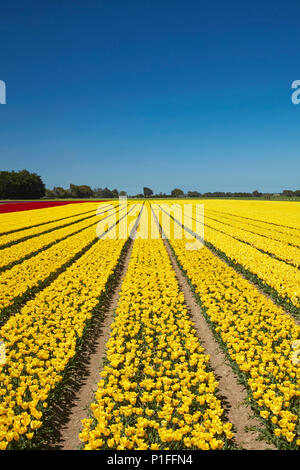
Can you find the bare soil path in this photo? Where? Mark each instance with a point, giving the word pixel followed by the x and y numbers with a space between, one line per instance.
pixel 87 380
pixel 75 403
pixel 254 284
pixel 233 393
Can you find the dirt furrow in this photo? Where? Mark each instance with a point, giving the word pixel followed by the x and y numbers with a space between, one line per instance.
pixel 85 380
pixel 233 393
pixel 214 251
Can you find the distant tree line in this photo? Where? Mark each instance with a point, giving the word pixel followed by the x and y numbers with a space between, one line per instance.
pixel 177 192
pixel 21 185
pixel 82 191
pixel 229 194
pixel 25 185
pixel 289 193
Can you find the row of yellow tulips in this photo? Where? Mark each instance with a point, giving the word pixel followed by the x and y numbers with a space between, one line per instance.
pixel 70 214
pixel 257 335
pixel 156 390
pixel 32 272
pixel 269 272
pixel 273 232
pixel 14 253
pixel 278 249
pixel 281 215
pixel 22 220
pixel 281 277
pixel 41 339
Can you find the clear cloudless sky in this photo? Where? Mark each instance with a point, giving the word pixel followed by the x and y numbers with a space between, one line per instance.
pixel 194 94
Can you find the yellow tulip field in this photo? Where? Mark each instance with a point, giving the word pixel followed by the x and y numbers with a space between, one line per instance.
pixel 157 387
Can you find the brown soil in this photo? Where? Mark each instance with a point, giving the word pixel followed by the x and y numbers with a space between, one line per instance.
pixel 233 394
pixel 260 290
pixel 75 407
pixel 78 408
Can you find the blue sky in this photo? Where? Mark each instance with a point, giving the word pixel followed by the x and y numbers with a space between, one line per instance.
pixel 193 94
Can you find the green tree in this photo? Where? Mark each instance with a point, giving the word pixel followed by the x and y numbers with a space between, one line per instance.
pixel 60 192
pixel 21 185
pixel 115 193
pixel 147 191
pixel 193 194
pixel 288 193
pixel 49 194
pixel 82 191
pixel 107 193
pixel 177 192
pixel 98 192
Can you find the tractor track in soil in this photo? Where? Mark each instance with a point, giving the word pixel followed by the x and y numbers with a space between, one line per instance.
pixel 233 393
pixel 85 395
